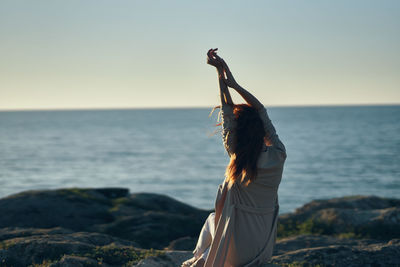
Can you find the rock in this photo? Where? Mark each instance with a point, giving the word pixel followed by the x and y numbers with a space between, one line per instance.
pixel 76 261
pixel 154 229
pixel 310 250
pixel 356 216
pixel 12 232
pixel 285 245
pixel 169 259
pixel 144 218
pixel 47 245
pixel 338 252
pixel 183 243
pixel 75 209
pixel 110 227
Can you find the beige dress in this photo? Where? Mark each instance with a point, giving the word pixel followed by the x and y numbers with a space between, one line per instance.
pixel 246 231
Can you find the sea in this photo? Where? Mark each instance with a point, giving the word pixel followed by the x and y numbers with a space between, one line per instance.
pixel 332 152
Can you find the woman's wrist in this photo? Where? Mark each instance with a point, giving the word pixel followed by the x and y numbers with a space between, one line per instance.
pixel 237 87
pixel 220 73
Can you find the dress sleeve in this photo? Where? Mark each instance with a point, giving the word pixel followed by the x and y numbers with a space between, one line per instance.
pixel 270 131
pixel 220 193
pixel 228 128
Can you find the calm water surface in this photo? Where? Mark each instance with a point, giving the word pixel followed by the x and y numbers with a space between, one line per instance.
pixel 332 151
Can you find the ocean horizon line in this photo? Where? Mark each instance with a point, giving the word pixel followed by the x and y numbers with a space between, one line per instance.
pixel 194 107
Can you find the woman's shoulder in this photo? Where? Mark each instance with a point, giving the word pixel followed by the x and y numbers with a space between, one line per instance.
pixel 274 150
pixel 271 155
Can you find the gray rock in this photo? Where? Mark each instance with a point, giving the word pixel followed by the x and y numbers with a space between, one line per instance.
pixel 356 216
pixel 154 229
pixel 109 227
pixel 75 209
pixel 288 244
pixel 309 250
pixel 144 218
pixel 342 253
pixel 76 261
pixel 47 245
pixel 169 259
pixel 184 243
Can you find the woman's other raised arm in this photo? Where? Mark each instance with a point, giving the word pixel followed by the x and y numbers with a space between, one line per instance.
pixel 230 81
pixel 271 138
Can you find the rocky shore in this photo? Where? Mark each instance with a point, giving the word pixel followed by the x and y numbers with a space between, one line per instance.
pixel 111 227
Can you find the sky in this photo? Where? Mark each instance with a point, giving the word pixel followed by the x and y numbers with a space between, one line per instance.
pixel 144 54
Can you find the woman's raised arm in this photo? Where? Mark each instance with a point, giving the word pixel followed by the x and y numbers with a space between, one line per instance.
pixel 228 118
pixel 224 91
pixel 231 82
pixel 271 138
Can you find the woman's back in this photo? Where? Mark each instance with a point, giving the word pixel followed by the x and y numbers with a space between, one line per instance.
pixel 249 218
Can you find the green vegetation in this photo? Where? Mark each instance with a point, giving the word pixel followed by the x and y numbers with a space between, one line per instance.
pixel 76 191
pixel 312 226
pixel 45 263
pixel 118 202
pixel 121 256
pixel 110 254
pixel 300 264
pixel 6 244
pixel 348 235
pixel 379 231
pixel 293 228
pixel 83 194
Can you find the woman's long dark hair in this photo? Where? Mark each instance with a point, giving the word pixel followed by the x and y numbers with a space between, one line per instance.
pixel 248 145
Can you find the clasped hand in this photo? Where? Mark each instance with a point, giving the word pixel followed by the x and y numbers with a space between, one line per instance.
pixel 223 70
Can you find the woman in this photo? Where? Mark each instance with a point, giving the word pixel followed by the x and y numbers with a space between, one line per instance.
pixel 242 231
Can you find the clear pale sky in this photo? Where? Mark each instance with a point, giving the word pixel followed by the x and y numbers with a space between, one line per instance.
pixel 134 54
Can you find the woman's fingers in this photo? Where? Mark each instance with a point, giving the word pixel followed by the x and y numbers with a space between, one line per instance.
pixel 214 53
pixel 221 60
pixel 211 53
pixel 213 59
